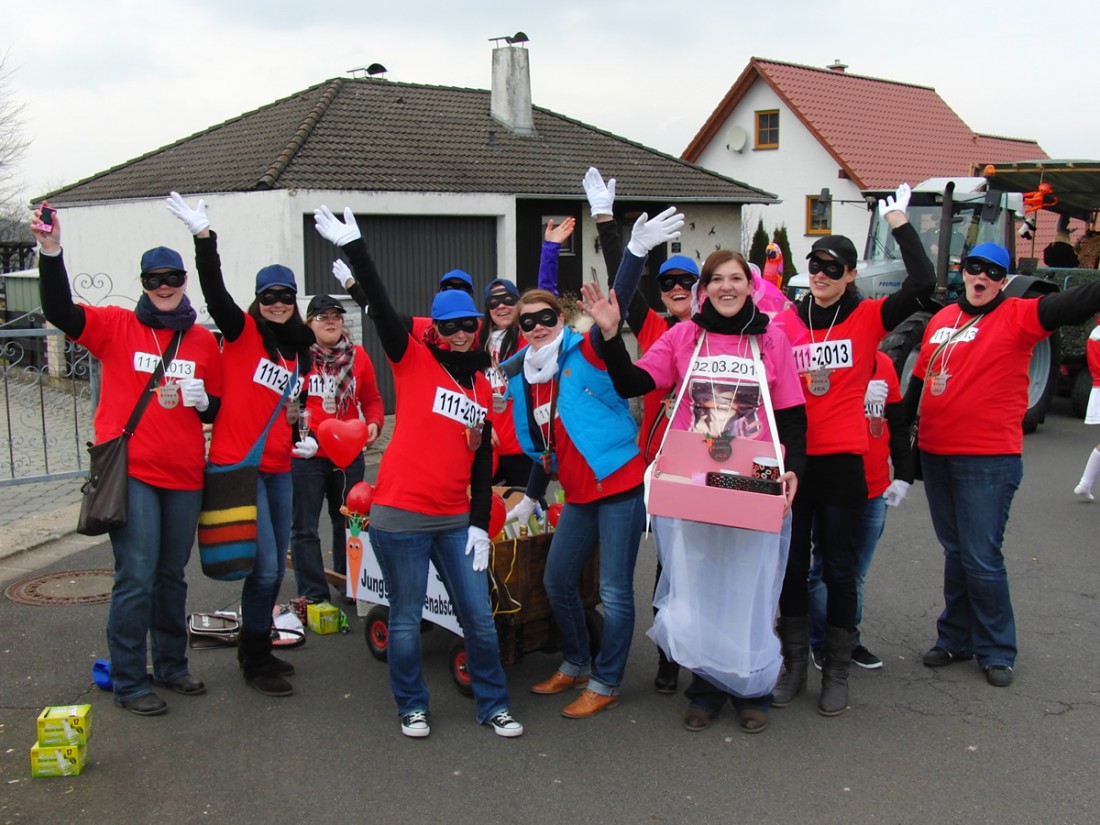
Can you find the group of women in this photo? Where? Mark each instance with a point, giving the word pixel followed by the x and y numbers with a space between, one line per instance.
pixel 515 394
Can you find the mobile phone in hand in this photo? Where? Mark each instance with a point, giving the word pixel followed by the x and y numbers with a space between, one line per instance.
pixel 45 218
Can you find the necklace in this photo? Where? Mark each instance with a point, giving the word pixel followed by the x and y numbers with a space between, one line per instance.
pixel 473 431
pixel 168 393
pixel 817 379
pixel 946 349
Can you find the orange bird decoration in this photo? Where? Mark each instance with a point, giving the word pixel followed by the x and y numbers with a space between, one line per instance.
pixel 773 265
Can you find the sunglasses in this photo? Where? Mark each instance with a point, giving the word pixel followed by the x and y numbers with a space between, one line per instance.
pixel 667 283
pixel 976 266
pixel 456 284
pixel 834 270
pixel 329 316
pixel 529 320
pixel 156 280
pixel 277 296
pixel 453 325
pixel 507 299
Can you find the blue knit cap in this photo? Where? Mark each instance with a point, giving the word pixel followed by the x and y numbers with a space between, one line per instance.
pixel 275 275
pixel 679 262
pixel 994 253
pixel 453 303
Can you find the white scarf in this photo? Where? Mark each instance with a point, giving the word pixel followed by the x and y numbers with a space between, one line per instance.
pixel 540 365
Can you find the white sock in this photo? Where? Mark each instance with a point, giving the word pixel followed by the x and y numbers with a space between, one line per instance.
pixel 1092 469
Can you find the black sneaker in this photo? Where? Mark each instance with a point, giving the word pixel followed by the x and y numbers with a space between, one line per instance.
pixel 999 675
pixel 817 656
pixel 865 659
pixel 415 724
pixel 504 725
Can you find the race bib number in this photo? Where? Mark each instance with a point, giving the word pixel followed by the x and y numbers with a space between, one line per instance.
pixel 831 355
pixel 951 334
pixel 724 366
pixel 458 407
pixel 542 414
pixel 322 385
pixel 274 377
pixel 148 362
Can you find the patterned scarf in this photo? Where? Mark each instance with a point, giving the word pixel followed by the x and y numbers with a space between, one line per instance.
pixel 337 361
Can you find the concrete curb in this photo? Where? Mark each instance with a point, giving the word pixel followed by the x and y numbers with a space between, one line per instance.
pixel 31 533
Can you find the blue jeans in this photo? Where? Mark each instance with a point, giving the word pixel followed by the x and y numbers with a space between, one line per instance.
pixel 867 535
pixel 403 558
pixel 261 588
pixel 617 526
pixel 149 597
pixel 969 497
pixel 315 480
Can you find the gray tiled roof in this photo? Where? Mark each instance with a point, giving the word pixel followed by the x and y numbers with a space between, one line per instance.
pixel 377 135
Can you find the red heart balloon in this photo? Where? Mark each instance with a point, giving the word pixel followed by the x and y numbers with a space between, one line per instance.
pixel 342 441
pixel 553 513
pixel 359 498
pixel 497 513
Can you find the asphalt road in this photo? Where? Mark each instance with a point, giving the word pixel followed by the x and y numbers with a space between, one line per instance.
pixel 917 746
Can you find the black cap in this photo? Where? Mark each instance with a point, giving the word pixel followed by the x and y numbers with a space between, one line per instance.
pixel 319 303
pixel 838 247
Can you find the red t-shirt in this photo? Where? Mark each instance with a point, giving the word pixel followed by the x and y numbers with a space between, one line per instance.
pixel 367 398
pixel 654 406
pixel 426 467
pixel 1092 353
pixel 577 478
pixel 835 416
pixel 504 426
pixel 876 464
pixel 167 449
pixel 981 406
pixel 254 385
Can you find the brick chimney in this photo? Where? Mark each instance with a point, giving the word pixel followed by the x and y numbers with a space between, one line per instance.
pixel 511 98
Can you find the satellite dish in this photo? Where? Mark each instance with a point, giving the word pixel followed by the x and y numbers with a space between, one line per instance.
pixel 736 138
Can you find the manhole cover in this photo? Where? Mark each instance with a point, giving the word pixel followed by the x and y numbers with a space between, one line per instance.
pixel 67 587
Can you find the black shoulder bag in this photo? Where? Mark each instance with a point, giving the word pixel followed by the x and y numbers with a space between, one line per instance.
pixel 106 492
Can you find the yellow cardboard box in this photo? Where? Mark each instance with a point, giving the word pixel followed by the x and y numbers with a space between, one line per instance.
pixel 64 760
pixel 323 618
pixel 65 725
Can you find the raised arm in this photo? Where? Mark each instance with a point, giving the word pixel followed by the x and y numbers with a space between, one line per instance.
pixel 628 379
pixel 367 289
pixel 551 249
pixel 920 278
pixel 53 281
pixel 219 303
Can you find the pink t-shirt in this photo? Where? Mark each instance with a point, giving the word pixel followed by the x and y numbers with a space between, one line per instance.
pixel 723 392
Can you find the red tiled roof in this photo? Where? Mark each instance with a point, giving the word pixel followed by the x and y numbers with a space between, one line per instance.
pixel 881 132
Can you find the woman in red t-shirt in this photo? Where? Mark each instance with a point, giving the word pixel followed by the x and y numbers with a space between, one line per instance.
pixel 264 349
pixel 1083 490
pixel 431 502
pixel 341 385
pixel 166 458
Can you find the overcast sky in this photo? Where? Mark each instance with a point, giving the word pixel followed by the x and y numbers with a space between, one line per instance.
pixel 106 81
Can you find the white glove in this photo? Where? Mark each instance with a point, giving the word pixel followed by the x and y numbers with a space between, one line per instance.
pixel 306 448
pixel 193 393
pixel 523 511
pixel 898 202
pixel 601 196
pixel 335 230
pixel 896 492
pixel 648 234
pixel 876 393
pixel 195 219
pixel 342 274
pixel 477 542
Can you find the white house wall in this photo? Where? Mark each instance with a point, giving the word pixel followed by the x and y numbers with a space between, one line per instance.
pixel 799 167
pixel 254 229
